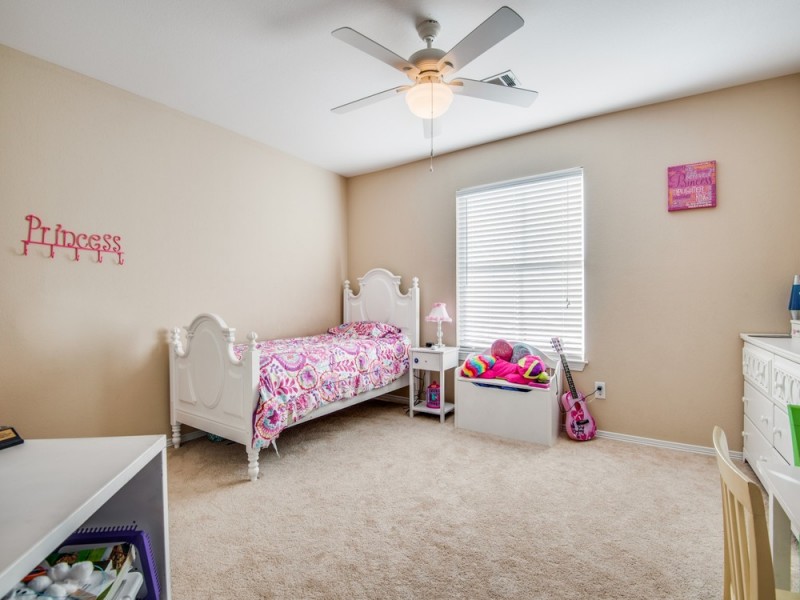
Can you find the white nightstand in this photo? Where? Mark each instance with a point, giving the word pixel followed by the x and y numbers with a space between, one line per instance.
pixel 431 359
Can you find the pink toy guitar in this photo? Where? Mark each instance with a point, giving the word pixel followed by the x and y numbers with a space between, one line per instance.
pixel 578 423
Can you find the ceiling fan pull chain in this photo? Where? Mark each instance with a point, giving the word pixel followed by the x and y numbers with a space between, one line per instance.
pixel 431 168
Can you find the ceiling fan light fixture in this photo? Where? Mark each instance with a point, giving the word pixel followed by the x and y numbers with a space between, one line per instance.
pixel 429 100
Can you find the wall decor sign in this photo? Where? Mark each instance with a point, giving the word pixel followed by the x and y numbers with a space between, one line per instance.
pixel 60 237
pixel 692 186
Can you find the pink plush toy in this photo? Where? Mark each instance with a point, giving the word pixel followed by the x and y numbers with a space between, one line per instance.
pixel 530 370
pixel 501 349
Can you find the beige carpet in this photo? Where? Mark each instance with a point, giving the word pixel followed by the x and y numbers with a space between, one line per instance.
pixel 367 503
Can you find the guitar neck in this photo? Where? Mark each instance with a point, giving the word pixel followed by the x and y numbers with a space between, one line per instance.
pixel 568 374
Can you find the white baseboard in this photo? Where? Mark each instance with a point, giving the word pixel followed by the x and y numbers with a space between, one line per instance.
pixel 635 439
pixel 621 437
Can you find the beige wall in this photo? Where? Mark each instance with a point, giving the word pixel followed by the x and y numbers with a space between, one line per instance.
pixel 210 222
pixel 666 293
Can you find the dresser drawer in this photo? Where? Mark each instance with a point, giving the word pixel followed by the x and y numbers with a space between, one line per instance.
pixel 756 368
pixel 756 446
pixel 785 382
pixel 758 450
pixel 758 408
pixel 782 435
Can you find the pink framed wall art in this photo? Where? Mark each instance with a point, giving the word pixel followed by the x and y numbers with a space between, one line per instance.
pixel 692 186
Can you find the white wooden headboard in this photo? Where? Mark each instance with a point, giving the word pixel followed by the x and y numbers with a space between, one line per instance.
pixel 379 299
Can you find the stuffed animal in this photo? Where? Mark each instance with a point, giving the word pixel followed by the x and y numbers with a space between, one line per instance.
pixel 533 368
pixel 530 370
pixel 476 366
pixel 501 349
pixel 520 351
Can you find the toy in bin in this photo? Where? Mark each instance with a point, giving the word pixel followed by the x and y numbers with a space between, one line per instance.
pixel 433 395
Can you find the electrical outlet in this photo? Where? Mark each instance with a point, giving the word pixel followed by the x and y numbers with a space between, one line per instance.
pixel 600 390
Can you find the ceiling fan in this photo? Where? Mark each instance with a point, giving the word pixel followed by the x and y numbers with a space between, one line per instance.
pixel 429 96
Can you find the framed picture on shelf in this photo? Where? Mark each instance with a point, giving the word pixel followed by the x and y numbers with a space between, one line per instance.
pixel 692 186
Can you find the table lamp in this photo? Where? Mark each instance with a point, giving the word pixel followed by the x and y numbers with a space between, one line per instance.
pixel 438 314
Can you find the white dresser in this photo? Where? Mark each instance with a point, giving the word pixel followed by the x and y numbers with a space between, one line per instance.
pixel 771 368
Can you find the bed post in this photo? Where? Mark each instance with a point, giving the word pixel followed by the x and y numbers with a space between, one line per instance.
pixel 252 368
pixel 414 291
pixel 175 349
pixel 348 293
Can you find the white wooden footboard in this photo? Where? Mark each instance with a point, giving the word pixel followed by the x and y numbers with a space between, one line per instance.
pixel 210 388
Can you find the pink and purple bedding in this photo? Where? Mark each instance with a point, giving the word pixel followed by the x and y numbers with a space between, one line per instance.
pixel 298 375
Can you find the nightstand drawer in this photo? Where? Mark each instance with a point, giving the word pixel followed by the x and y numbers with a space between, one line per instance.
pixel 431 361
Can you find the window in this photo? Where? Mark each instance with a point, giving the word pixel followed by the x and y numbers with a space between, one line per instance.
pixel 520 262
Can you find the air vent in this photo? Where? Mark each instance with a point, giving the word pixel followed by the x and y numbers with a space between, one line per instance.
pixel 507 79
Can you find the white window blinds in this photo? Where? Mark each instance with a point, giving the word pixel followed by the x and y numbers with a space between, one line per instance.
pixel 520 262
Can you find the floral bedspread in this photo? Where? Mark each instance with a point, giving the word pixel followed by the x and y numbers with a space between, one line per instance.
pixel 300 374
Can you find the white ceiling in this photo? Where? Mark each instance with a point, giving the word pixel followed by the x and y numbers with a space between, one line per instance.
pixel 270 69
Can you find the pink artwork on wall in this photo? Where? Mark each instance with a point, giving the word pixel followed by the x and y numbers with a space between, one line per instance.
pixel 60 237
pixel 692 186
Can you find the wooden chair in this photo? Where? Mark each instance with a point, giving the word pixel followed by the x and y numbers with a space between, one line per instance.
pixel 748 571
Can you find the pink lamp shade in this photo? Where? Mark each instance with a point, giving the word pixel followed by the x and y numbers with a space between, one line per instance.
pixel 438 315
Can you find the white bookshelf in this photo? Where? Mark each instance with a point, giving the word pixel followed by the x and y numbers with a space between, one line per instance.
pixel 52 487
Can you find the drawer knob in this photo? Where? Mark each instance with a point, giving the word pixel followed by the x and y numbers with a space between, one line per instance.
pixel 765 420
pixel 777 431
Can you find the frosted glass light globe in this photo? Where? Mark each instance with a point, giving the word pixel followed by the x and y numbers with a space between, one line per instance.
pixel 420 97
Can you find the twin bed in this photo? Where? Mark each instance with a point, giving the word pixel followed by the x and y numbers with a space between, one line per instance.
pixel 249 393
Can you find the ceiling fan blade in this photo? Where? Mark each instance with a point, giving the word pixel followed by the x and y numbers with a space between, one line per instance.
pixel 431 127
pixel 493 91
pixel 374 49
pixel 385 94
pixel 496 28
